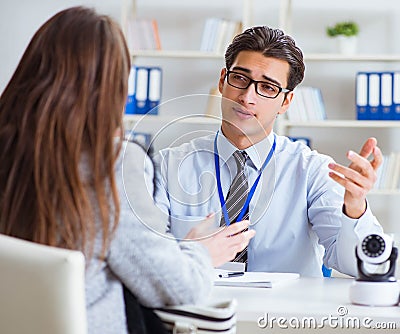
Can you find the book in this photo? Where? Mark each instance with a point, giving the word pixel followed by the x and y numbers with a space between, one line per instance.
pixel 307 105
pixel 142 34
pixel 218 34
pixel 253 279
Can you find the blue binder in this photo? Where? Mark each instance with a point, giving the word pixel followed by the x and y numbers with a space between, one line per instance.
pixel 374 92
pixel 131 100
pixel 396 96
pixel 142 84
pixel 154 90
pixel 386 93
pixel 362 109
pixel 304 140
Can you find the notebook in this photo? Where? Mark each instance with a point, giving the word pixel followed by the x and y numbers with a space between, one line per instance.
pixel 253 279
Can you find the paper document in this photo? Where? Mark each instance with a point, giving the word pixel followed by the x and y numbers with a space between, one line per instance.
pixel 252 279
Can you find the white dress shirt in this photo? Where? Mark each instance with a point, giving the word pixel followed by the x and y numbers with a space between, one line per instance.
pixel 296 209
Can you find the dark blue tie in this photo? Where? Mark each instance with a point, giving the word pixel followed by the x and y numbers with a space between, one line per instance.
pixel 236 197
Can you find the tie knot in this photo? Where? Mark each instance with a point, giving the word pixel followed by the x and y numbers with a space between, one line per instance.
pixel 240 158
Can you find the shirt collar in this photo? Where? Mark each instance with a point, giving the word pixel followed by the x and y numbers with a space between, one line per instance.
pixel 257 153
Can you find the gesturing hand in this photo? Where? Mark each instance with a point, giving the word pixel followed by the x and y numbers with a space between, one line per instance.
pixel 358 178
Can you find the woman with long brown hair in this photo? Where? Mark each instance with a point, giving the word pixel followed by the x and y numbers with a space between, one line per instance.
pixel 61 180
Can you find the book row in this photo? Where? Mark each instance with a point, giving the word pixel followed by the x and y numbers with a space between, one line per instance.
pixel 144 90
pixel 378 95
pixel 142 34
pixel 307 105
pixel 218 33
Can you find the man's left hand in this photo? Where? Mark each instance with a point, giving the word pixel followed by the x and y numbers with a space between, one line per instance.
pixel 358 178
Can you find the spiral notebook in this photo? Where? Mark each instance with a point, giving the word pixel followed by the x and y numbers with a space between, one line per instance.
pixel 253 279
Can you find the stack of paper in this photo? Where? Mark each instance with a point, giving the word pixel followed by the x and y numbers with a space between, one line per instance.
pixel 253 279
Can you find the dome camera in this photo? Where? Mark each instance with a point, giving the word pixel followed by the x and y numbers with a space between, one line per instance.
pixel 372 288
pixel 375 248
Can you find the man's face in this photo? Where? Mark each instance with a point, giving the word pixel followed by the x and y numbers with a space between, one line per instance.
pixel 247 116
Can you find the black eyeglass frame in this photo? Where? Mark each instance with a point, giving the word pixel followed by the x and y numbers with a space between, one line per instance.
pixel 251 81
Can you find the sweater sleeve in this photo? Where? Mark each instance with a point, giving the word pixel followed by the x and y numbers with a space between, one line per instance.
pixel 151 263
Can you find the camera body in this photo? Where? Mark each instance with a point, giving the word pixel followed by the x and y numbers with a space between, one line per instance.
pixel 371 288
pixel 375 248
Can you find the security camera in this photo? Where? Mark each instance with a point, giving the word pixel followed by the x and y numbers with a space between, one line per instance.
pixel 375 248
pixel 375 288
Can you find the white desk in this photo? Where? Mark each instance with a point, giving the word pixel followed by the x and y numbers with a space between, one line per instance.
pixel 318 298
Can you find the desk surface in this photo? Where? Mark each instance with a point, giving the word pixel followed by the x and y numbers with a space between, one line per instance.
pixel 306 297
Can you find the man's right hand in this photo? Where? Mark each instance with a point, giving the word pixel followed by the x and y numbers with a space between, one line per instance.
pixel 223 243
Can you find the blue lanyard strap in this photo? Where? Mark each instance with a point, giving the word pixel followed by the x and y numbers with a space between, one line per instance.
pixel 253 188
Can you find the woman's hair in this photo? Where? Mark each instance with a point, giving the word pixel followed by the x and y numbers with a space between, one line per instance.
pixel 271 43
pixel 61 111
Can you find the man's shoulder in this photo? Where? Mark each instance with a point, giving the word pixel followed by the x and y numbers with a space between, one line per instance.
pixel 299 150
pixel 199 144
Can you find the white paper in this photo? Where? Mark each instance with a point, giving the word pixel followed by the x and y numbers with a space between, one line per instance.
pixel 253 279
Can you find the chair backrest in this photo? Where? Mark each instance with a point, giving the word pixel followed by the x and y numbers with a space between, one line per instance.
pixel 42 289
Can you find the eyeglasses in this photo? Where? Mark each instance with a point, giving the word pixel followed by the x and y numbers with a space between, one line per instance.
pixel 263 88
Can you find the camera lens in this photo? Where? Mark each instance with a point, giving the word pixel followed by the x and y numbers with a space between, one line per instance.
pixel 373 245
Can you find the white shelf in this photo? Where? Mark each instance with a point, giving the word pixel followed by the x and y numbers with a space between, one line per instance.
pixel 204 119
pixel 339 124
pixel 355 57
pixel 177 54
pixel 307 57
pixel 192 119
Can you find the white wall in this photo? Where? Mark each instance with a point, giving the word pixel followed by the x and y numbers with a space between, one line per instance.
pixel 20 19
pixel 181 23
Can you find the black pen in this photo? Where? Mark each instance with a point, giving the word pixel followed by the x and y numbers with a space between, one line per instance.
pixel 235 274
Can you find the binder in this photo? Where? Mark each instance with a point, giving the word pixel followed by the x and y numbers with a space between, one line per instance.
pixel 131 100
pixel 386 96
pixel 142 79
pixel 374 95
pixel 396 96
pixel 362 96
pixel 154 91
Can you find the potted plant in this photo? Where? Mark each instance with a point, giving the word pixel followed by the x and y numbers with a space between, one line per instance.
pixel 346 34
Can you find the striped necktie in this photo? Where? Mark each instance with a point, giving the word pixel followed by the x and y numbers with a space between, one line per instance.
pixel 237 196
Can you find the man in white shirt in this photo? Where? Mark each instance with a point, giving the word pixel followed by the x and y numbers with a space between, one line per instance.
pixel 305 208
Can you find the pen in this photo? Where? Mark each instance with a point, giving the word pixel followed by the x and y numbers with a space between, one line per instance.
pixel 236 274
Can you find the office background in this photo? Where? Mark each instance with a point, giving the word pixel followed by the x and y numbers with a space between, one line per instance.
pixel 181 26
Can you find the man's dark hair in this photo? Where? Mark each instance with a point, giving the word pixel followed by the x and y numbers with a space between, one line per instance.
pixel 271 43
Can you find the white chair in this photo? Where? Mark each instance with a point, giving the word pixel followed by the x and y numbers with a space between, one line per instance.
pixel 42 289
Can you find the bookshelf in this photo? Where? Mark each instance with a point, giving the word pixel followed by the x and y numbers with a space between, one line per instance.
pixel 285 125
pixel 181 59
pixel 189 71
pixel 334 74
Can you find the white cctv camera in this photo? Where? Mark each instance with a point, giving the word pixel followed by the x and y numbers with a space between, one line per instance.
pixel 375 248
pixel 375 288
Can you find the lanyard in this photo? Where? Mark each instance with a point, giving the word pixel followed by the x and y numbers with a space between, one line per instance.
pixel 253 188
